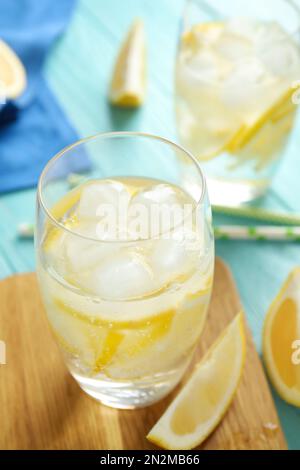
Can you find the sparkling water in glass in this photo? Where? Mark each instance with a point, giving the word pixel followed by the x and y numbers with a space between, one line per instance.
pixel 125 264
pixel 237 81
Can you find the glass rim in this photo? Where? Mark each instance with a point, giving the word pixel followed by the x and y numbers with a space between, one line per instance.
pixel 115 134
pixel 216 83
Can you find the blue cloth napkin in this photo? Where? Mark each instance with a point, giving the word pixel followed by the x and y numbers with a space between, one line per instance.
pixel 33 127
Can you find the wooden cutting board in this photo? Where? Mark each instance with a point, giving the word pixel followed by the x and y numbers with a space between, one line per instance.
pixel 41 406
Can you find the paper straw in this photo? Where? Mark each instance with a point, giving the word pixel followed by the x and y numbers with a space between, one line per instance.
pixel 256 213
pixel 223 232
pixel 239 232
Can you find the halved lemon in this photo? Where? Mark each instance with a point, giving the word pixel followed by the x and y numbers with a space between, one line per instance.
pixel 12 73
pixel 129 77
pixel 280 336
pixel 203 401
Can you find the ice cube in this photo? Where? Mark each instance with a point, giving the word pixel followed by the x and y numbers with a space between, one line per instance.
pixel 283 60
pixel 96 195
pixel 278 52
pixel 82 254
pixel 248 28
pixel 245 86
pixel 158 209
pixel 175 256
pixel 158 194
pixel 269 34
pixel 191 237
pixel 169 258
pixel 233 47
pixel 123 276
pixel 203 68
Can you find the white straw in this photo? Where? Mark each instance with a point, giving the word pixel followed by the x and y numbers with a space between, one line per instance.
pixel 239 232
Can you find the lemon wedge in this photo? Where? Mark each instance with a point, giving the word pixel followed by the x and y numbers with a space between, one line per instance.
pixel 203 401
pixel 129 77
pixel 280 338
pixel 12 73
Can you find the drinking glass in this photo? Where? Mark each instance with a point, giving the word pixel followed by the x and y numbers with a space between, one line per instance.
pixel 125 263
pixel 237 86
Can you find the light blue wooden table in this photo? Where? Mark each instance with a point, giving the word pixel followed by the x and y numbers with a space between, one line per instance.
pixel 78 71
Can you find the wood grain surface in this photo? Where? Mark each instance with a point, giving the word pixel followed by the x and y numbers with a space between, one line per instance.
pixel 42 407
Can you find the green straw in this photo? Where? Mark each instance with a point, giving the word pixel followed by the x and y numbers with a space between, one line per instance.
pixel 239 232
pixel 256 213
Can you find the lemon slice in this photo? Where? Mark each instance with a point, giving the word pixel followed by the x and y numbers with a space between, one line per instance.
pixel 78 338
pixel 204 399
pixel 132 343
pixel 267 143
pixel 280 338
pixel 281 106
pixel 202 34
pixel 129 77
pixel 214 137
pixel 242 137
pixel 214 149
pixel 122 320
pixel 263 138
pixel 58 211
pixel 12 73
